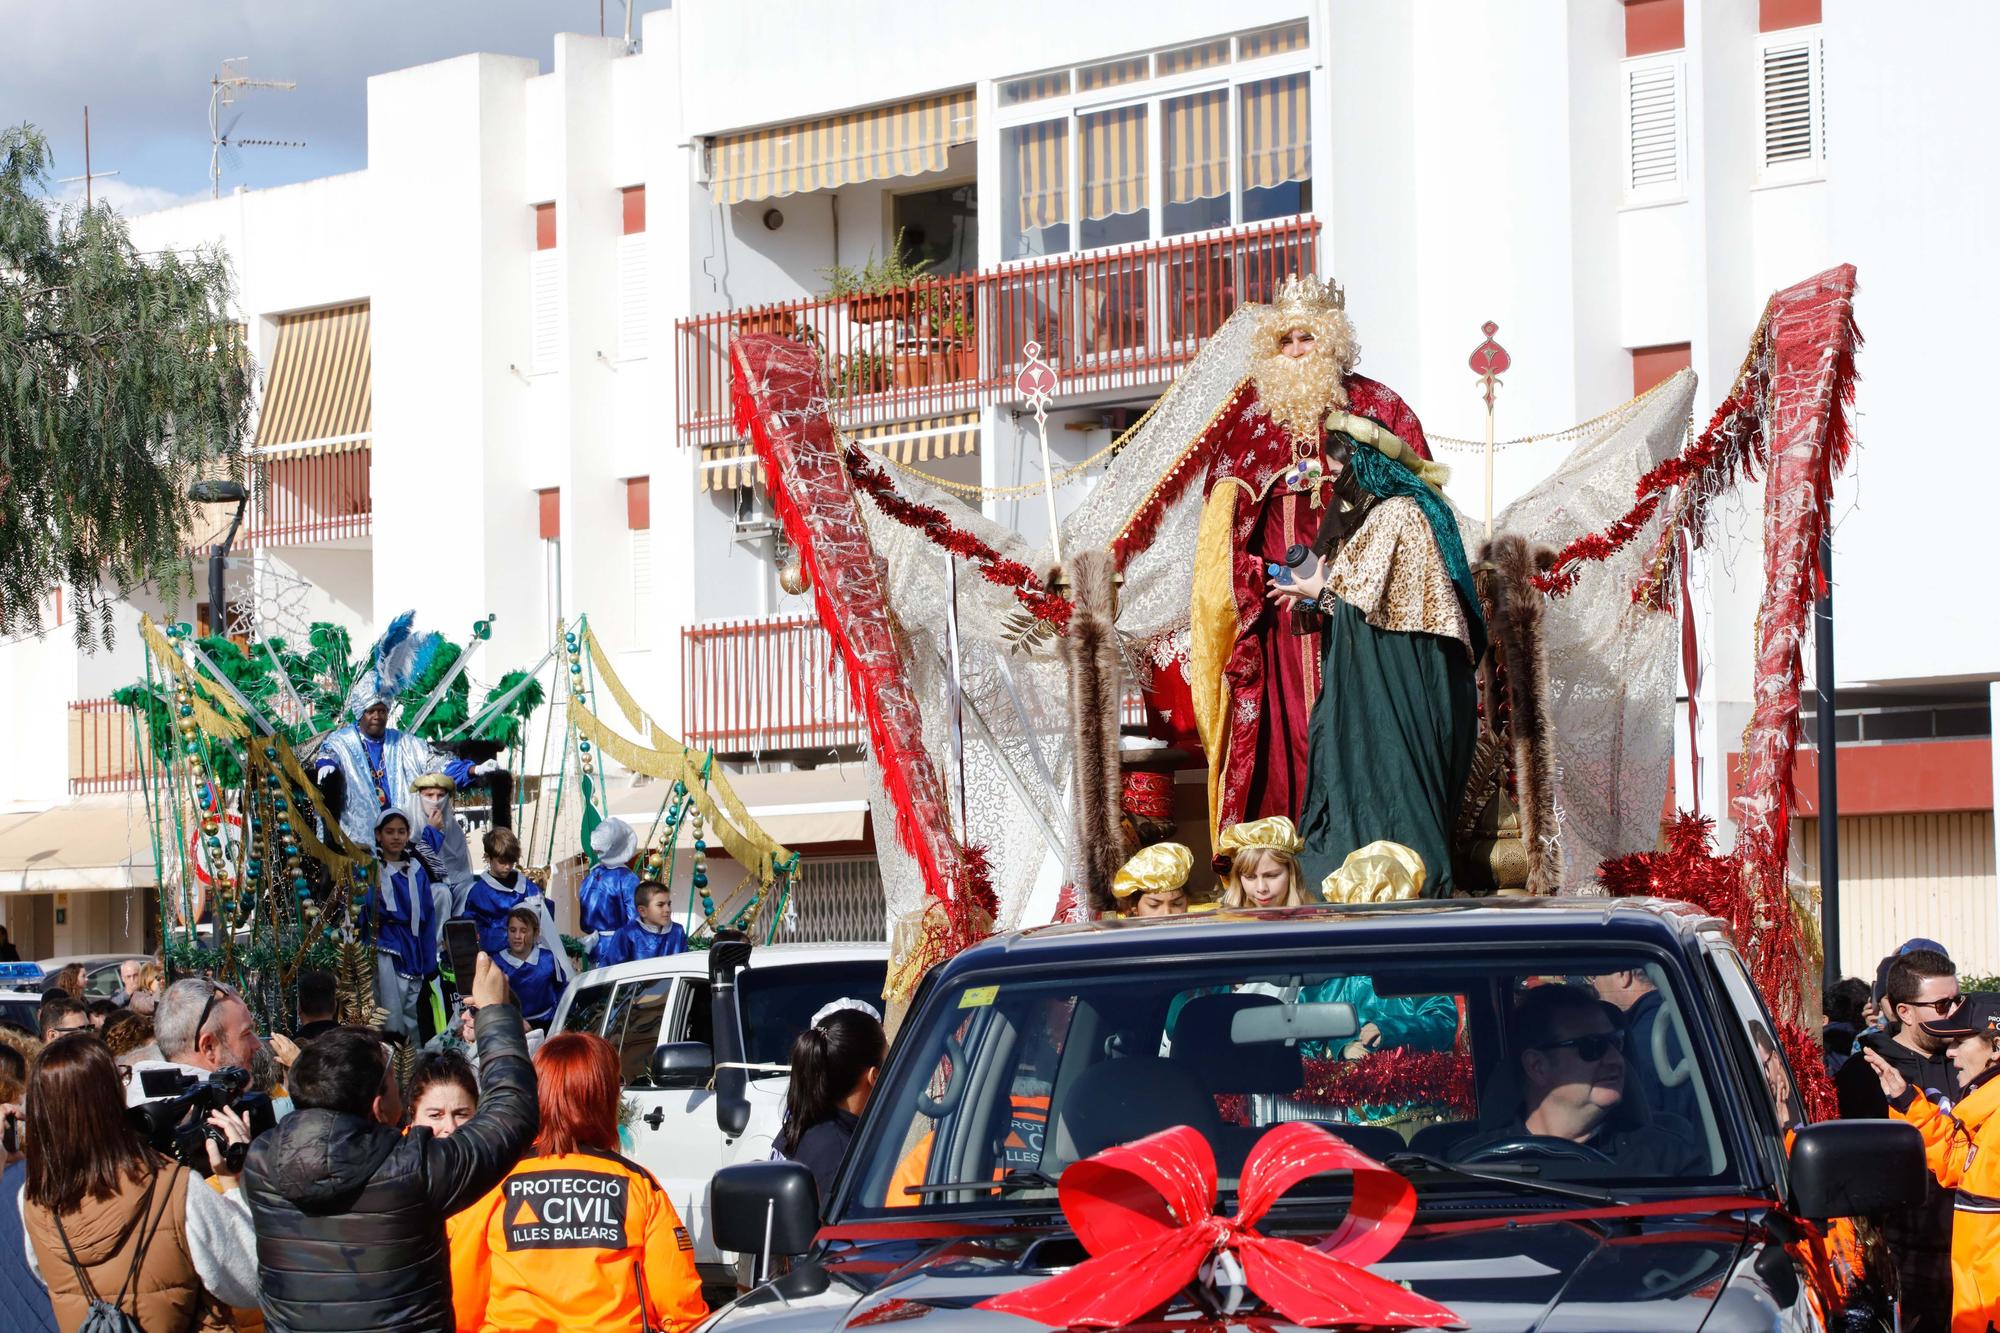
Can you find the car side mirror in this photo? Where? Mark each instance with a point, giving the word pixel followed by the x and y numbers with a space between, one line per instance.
pixel 682 1064
pixel 1856 1168
pixel 764 1209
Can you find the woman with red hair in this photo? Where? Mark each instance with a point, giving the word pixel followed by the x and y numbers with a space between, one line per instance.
pixel 575 1236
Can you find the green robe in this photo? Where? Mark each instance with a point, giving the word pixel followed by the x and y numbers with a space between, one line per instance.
pixel 1390 745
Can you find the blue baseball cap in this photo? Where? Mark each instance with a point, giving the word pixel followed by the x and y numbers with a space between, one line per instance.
pixel 1911 946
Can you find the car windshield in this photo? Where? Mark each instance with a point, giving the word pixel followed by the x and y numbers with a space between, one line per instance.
pixel 778 1001
pixel 1483 1064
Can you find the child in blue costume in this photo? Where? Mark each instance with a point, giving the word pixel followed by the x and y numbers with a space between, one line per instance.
pixel 502 887
pixel 531 970
pixel 654 935
pixel 406 916
pixel 605 898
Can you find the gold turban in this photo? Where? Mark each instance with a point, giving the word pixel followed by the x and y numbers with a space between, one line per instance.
pixel 1381 872
pixel 438 781
pixel 1277 832
pixel 1161 868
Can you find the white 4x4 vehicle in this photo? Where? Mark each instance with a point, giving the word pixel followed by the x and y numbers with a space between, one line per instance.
pixel 703 1039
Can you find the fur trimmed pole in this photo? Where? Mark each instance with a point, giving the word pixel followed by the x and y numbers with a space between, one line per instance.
pixel 1095 692
pixel 1516 625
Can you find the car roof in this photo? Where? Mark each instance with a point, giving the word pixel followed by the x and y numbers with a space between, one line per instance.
pixel 89 960
pixel 1345 928
pixel 694 962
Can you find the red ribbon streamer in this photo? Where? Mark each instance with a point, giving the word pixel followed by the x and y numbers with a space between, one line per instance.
pixel 1146 1212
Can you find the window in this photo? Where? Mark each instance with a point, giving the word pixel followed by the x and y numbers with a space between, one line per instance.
pixel 1654 138
pixel 778 1002
pixel 586 1009
pixel 1009 1080
pixel 633 1024
pixel 1189 139
pixel 634 276
pixel 544 295
pixel 940 227
pixel 1791 106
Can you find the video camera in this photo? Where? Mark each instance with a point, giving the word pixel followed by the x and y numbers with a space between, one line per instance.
pixel 177 1123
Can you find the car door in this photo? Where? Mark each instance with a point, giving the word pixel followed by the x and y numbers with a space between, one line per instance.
pixel 672 1132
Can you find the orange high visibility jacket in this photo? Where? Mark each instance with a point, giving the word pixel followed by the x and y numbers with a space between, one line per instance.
pixel 572 1241
pixel 1962 1146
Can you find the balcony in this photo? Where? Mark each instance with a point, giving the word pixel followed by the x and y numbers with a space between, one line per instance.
pixel 761 686
pixel 315 496
pixel 1111 319
pixel 765 686
pixel 103 751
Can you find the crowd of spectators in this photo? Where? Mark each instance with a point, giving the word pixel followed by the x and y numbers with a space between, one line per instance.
pixel 377 1200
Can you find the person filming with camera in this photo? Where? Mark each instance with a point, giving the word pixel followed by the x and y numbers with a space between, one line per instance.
pixel 113 1223
pixel 201 1026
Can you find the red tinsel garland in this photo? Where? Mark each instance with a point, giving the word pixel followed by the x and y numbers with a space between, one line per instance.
pixel 938 527
pixel 1383 1082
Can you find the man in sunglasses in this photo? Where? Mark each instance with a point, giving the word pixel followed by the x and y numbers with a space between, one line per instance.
pixel 1919 987
pixel 1570 1045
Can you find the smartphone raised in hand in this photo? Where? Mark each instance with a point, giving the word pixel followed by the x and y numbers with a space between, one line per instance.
pixel 461 946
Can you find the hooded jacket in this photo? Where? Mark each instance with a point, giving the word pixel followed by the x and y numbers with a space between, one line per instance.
pixel 350 1213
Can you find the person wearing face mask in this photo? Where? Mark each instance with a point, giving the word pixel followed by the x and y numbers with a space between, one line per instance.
pixel 1154 882
pixel 1262 863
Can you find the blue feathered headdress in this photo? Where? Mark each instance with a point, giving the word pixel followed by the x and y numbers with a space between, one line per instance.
pixel 399 657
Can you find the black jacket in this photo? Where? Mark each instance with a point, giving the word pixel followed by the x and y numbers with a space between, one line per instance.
pixel 1919 1238
pixel 350 1213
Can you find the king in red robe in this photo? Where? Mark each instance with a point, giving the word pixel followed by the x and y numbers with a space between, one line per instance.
pixel 1252 677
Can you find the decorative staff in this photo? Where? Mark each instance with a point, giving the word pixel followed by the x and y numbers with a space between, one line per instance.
pixel 1036 382
pixel 1489 361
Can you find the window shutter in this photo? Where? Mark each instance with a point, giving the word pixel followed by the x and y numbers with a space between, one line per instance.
pixel 1792 108
pixel 1653 129
pixel 545 331
pixel 642 584
pixel 634 281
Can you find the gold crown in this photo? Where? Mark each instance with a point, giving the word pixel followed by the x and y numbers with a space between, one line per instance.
pixel 1309 295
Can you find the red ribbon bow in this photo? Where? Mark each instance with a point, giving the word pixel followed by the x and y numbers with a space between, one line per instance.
pixel 1146 1212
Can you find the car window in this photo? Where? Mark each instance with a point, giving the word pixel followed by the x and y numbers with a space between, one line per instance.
pixel 19 1013
pixel 700 1012
pixel 777 1002
pixel 1773 1082
pixel 586 1008
pixel 1493 1062
pixel 632 1025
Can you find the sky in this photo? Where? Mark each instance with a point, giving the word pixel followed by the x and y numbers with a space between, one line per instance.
pixel 143 67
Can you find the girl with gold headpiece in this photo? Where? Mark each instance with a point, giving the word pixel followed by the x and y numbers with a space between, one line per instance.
pixel 1154 882
pixel 1263 864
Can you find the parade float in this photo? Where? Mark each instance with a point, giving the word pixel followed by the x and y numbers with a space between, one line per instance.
pixel 989 672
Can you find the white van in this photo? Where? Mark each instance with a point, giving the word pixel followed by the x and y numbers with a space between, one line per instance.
pixel 660 1015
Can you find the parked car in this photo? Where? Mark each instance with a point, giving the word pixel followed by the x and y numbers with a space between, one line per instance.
pixel 1030 1052
pixel 100 970
pixel 661 1015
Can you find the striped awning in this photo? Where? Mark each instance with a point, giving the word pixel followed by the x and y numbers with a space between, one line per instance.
pixel 725 467
pixel 1114 162
pixel 1041 161
pixel 909 442
pixel 1196 148
pixel 1277 132
pixel 318 397
pixel 879 143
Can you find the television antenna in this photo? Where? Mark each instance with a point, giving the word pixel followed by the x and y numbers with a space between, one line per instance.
pixel 88 176
pixel 223 90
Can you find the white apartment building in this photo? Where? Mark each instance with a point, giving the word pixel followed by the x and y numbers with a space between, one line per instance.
pixel 495 358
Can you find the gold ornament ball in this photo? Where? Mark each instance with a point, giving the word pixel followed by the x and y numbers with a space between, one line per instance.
pixel 792 576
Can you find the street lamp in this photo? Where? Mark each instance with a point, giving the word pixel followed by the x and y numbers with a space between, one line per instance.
pixel 212 493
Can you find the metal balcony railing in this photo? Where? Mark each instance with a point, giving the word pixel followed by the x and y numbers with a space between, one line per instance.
pixel 1127 317
pixel 310 497
pixel 759 686
pixel 102 753
pixel 753 686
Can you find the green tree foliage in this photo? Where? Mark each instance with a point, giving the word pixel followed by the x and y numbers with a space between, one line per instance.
pixel 122 377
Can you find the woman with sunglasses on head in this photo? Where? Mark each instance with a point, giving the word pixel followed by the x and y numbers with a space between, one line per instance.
pixel 110 1219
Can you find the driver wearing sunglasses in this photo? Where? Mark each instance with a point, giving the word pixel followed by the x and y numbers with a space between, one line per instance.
pixel 1573 1092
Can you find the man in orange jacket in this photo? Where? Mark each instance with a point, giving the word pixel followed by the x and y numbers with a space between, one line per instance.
pixel 1963 1148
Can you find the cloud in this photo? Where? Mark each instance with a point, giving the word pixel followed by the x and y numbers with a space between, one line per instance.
pixel 126 197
